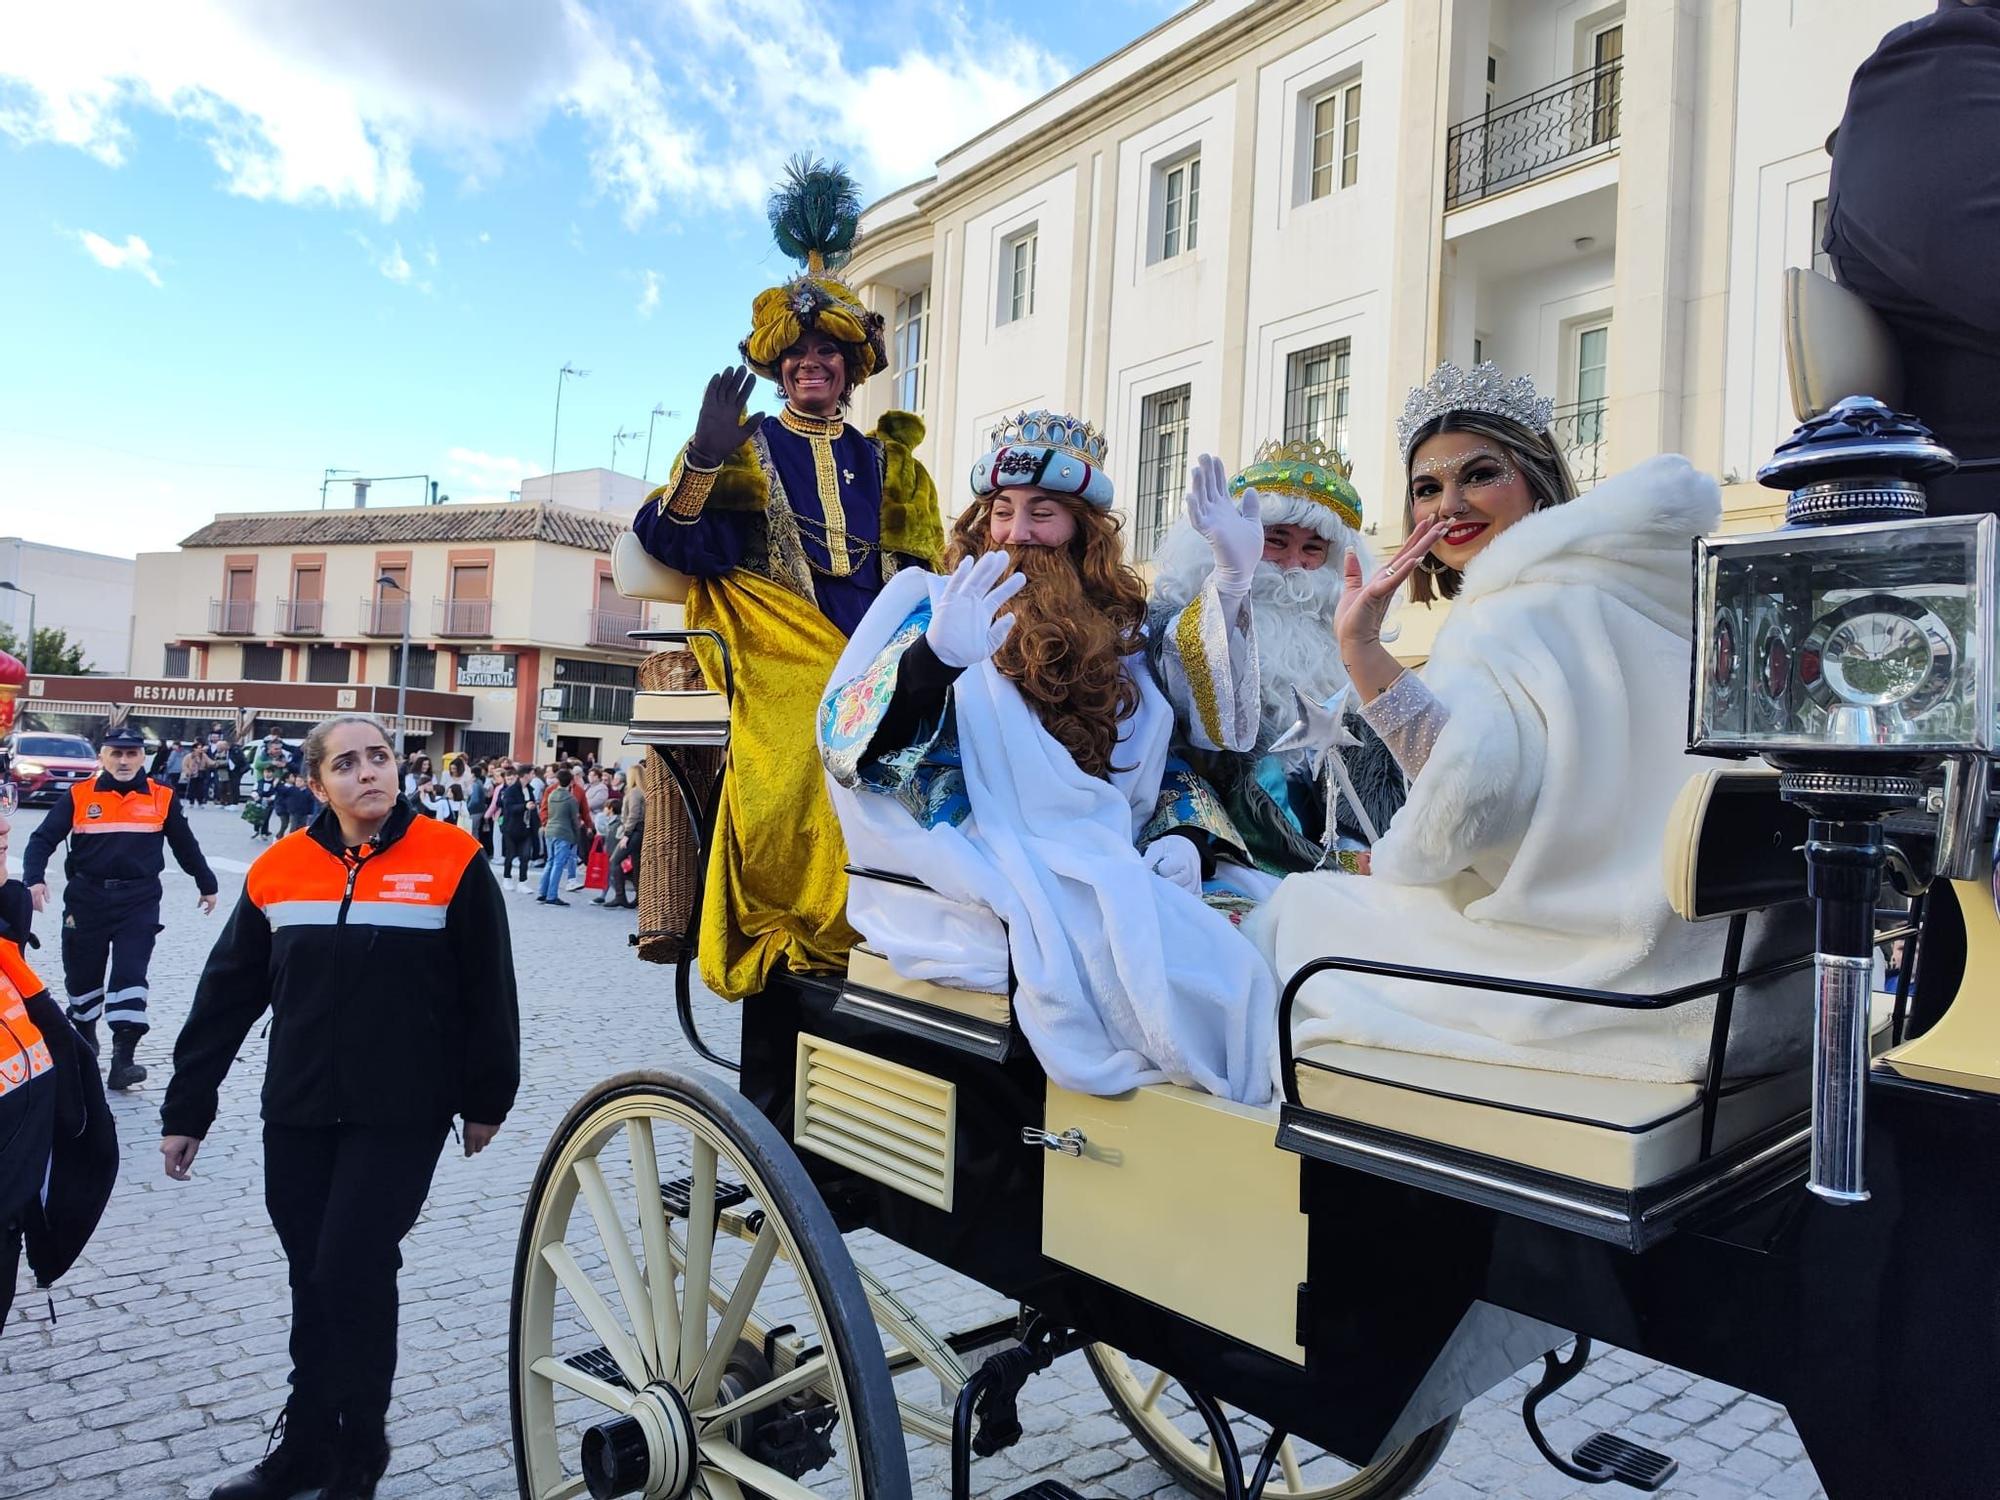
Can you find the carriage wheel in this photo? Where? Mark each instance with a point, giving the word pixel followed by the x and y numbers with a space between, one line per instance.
pixel 1153 1405
pixel 685 1318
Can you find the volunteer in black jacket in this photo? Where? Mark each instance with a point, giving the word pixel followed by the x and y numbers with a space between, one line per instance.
pixel 379 944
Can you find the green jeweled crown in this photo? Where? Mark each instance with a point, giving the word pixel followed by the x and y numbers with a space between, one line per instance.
pixel 1052 429
pixel 1305 467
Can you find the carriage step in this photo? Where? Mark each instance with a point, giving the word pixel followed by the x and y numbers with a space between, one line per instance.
pixel 599 1364
pixel 1625 1461
pixel 1046 1489
pixel 678 1195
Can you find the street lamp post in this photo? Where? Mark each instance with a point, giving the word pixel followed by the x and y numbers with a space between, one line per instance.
pixel 659 411
pixel 402 671
pixel 15 588
pixel 563 374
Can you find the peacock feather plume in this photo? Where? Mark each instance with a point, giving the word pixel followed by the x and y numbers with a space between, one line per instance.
pixel 815 212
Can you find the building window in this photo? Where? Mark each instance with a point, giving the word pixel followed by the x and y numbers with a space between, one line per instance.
pixel 1017 263
pixel 1180 208
pixel 1318 387
pixel 176 664
pixel 1821 261
pixel 263 664
pixel 326 664
pixel 1336 140
pixel 423 666
pixel 1492 80
pixel 596 692
pixel 912 348
pixel 1607 52
pixel 1163 446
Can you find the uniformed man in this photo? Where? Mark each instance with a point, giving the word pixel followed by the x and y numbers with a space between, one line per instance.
pixel 117 826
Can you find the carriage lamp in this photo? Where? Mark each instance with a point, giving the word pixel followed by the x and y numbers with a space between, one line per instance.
pixel 1853 649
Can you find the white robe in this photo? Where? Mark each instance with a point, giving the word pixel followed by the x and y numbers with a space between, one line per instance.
pixel 1121 977
pixel 1531 844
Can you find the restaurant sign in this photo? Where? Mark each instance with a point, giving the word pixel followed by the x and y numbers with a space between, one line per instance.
pixel 486 669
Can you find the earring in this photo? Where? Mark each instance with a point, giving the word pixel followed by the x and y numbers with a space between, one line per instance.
pixel 1431 565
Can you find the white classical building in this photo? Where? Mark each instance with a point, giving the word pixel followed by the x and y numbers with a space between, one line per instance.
pixel 1269 218
pixel 87 595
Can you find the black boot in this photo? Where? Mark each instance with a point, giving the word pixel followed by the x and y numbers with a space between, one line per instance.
pixel 361 1454
pixel 88 1031
pixel 124 1072
pixel 302 1460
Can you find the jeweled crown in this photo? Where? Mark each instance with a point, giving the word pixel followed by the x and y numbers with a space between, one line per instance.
pixel 1306 467
pixel 1052 429
pixel 1483 389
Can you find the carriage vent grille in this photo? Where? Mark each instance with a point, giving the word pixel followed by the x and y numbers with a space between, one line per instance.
pixel 889 1123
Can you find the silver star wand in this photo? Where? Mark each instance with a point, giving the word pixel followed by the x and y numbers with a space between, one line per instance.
pixel 1322 729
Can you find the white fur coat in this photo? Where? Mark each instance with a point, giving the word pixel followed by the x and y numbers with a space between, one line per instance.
pixel 1531 842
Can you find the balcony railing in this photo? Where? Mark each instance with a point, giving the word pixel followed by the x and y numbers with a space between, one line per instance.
pixel 232 616
pixel 300 616
pixel 1578 430
pixel 384 617
pixel 465 617
pixel 611 627
pixel 1515 143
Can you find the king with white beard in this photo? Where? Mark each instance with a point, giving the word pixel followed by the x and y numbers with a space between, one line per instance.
pixel 1271 776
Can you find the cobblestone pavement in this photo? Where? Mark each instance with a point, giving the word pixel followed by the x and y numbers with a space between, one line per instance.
pixel 168 1357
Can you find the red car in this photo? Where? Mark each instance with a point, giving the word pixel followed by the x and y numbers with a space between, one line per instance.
pixel 45 766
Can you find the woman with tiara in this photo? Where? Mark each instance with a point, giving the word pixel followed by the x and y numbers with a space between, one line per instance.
pixel 1544 747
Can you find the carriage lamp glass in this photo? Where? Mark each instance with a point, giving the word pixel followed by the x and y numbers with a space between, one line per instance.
pixel 1874 636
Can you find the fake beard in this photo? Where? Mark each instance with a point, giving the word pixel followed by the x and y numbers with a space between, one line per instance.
pixel 1293 609
pixel 1067 658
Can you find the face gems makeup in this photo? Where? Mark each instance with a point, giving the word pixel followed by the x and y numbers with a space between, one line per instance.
pixel 1503 471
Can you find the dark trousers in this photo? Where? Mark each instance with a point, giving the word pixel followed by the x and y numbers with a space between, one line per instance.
pixel 341 1198
pixel 515 846
pixel 107 943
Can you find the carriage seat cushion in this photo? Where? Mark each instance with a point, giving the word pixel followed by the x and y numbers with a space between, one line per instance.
pixel 871 970
pixel 1610 1132
pixel 637 574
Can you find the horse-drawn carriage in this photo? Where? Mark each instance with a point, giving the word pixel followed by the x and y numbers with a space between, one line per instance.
pixel 1299 1299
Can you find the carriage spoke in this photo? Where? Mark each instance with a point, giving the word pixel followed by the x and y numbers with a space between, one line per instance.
pixel 597 1313
pixel 1159 1384
pixel 567 1489
pixel 656 1239
pixel 700 1255
pixel 624 1266
pixel 714 1484
pixel 735 1314
pixel 740 1466
pixel 1288 1460
pixel 603 1392
pixel 810 1372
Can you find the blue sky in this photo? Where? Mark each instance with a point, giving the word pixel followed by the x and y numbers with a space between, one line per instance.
pixel 242 241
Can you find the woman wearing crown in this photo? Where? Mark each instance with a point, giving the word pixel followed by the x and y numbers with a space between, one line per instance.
pixel 1543 742
pixel 788 527
pixel 993 731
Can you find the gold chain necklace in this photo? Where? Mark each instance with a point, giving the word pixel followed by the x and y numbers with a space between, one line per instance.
pixel 819 433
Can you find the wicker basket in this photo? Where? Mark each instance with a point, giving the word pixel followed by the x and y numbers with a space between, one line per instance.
pixel 669 871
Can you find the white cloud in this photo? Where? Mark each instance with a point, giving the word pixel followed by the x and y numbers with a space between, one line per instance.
pixel 482 476
pixel 649 296
pixel 134 255
pixel 333 104
pixel 395 265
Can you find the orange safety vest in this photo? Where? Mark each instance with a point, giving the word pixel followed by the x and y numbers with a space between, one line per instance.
pixel 94 811
pixel 24 1054
pixel 298 882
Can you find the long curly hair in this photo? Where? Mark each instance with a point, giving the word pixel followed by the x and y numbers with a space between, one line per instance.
pixel 1080 616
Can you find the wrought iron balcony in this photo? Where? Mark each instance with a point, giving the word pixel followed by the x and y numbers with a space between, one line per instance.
pixel 1579 431
pixel 612 627
pixel 1516 143
pixel 301 616
pixel 462 617
pixel 232 616
pixel 384 614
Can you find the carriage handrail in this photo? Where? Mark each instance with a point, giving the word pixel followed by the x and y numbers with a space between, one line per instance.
pixel 1615 999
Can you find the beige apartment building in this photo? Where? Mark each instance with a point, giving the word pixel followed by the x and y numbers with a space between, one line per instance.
pixel 1270 218
pixel 509 608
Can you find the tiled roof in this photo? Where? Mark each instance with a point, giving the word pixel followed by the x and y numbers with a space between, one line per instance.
pixel 593 531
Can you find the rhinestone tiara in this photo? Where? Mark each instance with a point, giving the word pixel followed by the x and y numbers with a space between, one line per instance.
pixel 1484 389
pixel 1050 429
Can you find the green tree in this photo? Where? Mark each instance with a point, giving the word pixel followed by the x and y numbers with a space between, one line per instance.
pixel 55 652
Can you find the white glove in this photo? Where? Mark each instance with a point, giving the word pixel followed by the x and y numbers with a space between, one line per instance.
pixel 1320 727
pixel 1236 537
pixel 1174 858
pixel 963 632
